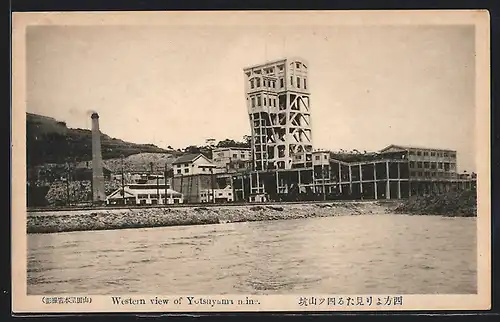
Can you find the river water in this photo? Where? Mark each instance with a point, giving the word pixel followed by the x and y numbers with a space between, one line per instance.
pixel 369 254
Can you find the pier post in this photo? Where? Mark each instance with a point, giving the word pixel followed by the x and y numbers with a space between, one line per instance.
pixel 399 180
pixel 387 187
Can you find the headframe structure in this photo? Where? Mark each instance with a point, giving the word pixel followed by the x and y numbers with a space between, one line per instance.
pixel 278 105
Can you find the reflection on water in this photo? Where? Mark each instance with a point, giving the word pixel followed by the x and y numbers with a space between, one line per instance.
pixel 367 254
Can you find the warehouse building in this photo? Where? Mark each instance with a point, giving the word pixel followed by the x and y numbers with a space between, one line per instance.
pixel 144 194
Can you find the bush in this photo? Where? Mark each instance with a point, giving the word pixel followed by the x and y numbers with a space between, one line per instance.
pixel 461 203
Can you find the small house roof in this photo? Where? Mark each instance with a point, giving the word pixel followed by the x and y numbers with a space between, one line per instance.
pixel 186 158
pixel 191 157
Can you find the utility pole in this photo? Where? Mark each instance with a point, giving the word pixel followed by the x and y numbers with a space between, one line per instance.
pixel 158 187
pixel 323 180
pixel 123 183
pixel 67 184
pixel 166 189
pixel 212 184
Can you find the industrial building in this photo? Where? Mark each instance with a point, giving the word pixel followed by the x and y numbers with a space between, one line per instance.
pixel 222 157
pixel 285 167
pixel 282 165
pixel 144 194
pixel 192 164
pixel 217 195
pixel 278 107
pixel 193 174
pixel 392 173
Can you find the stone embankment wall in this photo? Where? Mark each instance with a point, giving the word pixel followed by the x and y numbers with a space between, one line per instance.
pixel 63 221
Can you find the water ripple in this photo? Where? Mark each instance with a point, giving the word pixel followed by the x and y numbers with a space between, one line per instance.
pixel 342 254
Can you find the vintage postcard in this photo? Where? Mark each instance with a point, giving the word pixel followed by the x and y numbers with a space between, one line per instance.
pixel 251 161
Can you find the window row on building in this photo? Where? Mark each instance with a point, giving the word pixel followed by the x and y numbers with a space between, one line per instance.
pixel 446 166
pixel 269 83
pixel 270 70
pixel 261 100
pixel 266 83
pixel 432 174
pixel 186 170
pixel 433 153
pixel 318 157
pixel 300 83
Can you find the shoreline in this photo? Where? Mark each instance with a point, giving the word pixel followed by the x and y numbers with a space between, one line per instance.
pixel 124 218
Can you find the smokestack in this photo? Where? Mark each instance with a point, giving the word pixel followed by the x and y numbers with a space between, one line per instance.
pixel 98 193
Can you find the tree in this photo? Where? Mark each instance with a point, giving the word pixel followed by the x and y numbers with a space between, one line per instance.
pixel 247 139
pixel 192 149
pixel 228 143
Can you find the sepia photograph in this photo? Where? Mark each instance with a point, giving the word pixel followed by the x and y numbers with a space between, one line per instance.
pixel 251 161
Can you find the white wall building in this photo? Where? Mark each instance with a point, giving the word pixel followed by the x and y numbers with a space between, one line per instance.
pixel 221 157
pixel 221 195
pixel 321 158
pixel 191 164
pixel 144 194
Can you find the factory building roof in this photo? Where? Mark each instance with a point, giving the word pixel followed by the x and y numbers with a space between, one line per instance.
pixel 134 190
pixel 404 148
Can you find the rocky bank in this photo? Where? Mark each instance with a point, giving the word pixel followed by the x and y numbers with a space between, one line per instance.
pixel 64 221
pixel 450 204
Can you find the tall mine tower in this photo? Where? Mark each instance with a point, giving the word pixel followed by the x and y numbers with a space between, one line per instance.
pixel 277 98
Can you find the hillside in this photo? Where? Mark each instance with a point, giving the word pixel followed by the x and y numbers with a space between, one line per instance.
pixel 140 162
pixel 51 141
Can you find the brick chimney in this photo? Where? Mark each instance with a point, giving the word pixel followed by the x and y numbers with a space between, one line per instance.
pixel 98 193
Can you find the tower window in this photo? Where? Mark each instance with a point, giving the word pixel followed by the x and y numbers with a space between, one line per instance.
pixel 298 82
pixel 265 101
pixel 258 100
pixel 305 83
pixel 258 82
pixel 297 65
pixel 253 101
pixel 291 80
pixel 252 85
pixel 281 83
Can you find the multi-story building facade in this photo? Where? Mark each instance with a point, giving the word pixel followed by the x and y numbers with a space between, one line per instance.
pixel 277 96
pixel 192 164
pixel 428 163
pixel 392 173
pixel 222 157
pixel 217 195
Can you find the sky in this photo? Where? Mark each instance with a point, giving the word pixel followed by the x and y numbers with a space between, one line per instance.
pixel 371 86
